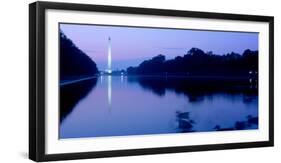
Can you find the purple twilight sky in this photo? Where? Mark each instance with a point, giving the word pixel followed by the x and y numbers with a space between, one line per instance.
pixel 131 45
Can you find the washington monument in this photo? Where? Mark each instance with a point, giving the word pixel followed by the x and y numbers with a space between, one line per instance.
pixel 109 56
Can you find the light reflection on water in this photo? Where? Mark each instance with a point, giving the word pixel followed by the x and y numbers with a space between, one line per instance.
pixel 109 96
pixel 121 105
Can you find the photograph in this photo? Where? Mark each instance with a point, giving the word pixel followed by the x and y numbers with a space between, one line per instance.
pixel 135 81
pixel 111 81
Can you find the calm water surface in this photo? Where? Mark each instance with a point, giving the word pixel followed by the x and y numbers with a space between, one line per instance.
pixel 121 105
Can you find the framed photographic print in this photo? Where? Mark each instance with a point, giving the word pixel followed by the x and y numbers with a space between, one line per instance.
pixel 117 81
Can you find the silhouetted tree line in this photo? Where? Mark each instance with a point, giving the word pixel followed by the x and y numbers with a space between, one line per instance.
pixel 197 62
pixel 73 61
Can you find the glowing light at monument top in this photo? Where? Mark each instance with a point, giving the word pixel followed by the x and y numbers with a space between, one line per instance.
pixel 109 56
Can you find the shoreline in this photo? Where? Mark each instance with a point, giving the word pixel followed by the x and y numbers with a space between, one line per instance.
pixel 73 80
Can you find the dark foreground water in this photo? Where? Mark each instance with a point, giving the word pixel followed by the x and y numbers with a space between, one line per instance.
pixel 121 105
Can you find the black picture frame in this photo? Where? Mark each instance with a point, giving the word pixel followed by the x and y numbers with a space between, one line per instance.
pixel 37 80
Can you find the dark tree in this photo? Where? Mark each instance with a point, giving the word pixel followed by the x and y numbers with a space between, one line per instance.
pixel 197 62
pixel 74 63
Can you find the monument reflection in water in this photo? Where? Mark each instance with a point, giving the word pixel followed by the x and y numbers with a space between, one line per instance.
pixel 124 105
